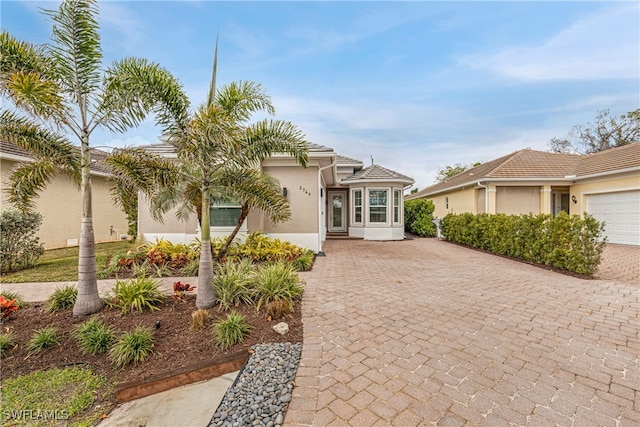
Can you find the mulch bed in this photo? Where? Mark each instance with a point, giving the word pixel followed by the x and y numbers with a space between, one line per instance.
pixel 176 346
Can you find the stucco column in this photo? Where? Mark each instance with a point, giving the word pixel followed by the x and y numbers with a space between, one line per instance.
pixel 491 198
pixel 545 199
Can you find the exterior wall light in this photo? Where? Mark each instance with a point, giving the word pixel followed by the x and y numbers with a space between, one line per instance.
pixel 573 199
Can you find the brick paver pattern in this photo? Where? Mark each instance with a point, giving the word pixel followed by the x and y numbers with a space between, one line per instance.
pixel 424 332
pixel 620 263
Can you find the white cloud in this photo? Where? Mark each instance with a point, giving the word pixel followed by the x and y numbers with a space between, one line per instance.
pixel 603 45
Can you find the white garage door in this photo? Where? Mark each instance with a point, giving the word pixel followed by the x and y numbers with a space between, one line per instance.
pixel 621 212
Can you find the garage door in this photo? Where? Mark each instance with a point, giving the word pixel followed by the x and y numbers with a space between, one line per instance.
pixel 621 212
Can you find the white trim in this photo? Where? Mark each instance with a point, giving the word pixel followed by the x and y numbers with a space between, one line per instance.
pixel 352 208
pixel 343 211
pixel 399 206
pixel 389 219
pixel 609 190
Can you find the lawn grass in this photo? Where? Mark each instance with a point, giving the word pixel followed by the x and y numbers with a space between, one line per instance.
pixel 54 396
pixel 60 265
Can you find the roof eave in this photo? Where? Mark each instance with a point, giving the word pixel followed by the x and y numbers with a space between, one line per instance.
pixel 377 181
pixel 607 173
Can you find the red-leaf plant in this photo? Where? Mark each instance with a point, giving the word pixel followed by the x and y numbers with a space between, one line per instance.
pixel 7 306
pixel 180 289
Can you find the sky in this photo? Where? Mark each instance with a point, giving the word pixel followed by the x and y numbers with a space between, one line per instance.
pixel 415 86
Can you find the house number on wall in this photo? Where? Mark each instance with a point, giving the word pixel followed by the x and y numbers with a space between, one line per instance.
pixel 304 190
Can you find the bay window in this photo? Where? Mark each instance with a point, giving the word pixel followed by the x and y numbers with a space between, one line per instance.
pixel 378 206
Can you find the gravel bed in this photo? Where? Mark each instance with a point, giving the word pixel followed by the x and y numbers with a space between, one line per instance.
pixel 261 393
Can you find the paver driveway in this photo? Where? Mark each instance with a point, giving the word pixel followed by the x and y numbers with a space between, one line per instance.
pixel 426 332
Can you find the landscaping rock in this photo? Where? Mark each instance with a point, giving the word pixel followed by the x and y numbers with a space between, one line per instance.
pixel 264 386
pixel 282 328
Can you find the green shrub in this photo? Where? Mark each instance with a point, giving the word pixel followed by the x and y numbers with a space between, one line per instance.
pixel 141 269
pixel 261 248
pixel 232 283
pixel 132 347
pixel 93 336
pixel 418 217
pixel 565 242
pixel 21 303
pixel 191 268
pixel 19 245
pixel 231 331
pixel 62 298
pixel 136 294
pixel 277 281
pixel 43 338
pixel 7 341
pixel 304 261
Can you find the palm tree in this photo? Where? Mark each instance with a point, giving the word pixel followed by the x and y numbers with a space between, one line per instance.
pixel 219 154
pixel 59 92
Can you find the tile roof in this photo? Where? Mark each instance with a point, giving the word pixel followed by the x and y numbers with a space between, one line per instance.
pixel 317 147
pixel 627 156
pixel 344 160
pixel 97 156
pixel 533 164
pixel 377 173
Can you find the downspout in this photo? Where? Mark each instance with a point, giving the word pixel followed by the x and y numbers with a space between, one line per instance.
pixel 486 196
pixel 320 203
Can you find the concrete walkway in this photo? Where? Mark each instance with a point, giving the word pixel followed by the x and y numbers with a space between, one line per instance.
pixel 425 332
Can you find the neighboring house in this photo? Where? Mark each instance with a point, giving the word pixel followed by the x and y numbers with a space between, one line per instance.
pixel 60 203
pixel 334 195
pixel 605 185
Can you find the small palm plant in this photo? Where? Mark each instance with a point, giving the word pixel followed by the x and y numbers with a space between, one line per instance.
pixel 62 298
pixel 231 331
pixel 232 283
pixel 93 336
pixel 43 338
pixel 277 281
pixel 136 294
pixel 7 340
pixel 132 347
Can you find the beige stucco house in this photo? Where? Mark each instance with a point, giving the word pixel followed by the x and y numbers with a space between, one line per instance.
pixel 605 185
pixel 333 196
pixel 61 202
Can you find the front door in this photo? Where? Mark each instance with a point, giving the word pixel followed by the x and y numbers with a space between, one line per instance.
pixel 337 211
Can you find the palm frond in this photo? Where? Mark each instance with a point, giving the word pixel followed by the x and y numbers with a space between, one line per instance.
pixel 26 78
pixel 267 137
pixel 213 136
pixel 133 87
pixel 76 51
pixel 257 189
pixel 242 99
pixel 41 143
pixel 27 180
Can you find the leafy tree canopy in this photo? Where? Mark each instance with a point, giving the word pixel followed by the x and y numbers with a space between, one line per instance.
pixel 450 171
pixel 606 132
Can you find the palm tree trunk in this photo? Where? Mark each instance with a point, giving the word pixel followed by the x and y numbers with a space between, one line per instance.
pixel 205 297
pixel 244 212
pixel 88 300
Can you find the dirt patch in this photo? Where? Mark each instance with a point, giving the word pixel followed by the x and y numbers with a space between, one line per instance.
pixel 176 346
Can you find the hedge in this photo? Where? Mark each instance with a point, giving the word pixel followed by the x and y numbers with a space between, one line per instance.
pixel 571 243
pixel 418 217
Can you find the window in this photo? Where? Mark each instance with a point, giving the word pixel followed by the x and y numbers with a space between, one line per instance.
pixel 396 206
pixel 378 206
pixel 357 206
pixel 225 214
